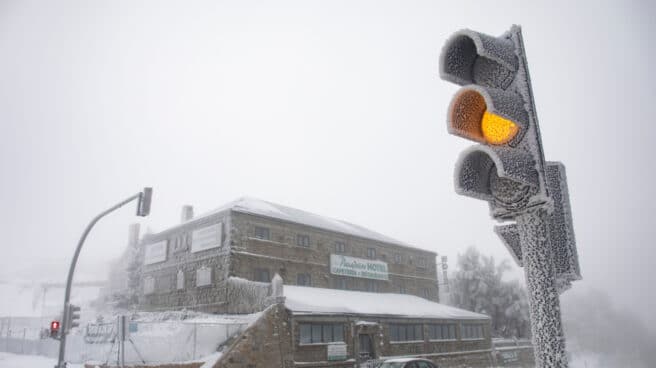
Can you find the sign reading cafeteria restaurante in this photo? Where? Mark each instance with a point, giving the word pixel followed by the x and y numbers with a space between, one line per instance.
pixel 358 267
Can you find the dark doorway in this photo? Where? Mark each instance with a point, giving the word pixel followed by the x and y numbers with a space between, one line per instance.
pixel 366 347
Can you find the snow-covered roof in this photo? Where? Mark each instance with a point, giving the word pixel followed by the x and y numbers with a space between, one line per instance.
pixel 309 300
pixel 263 208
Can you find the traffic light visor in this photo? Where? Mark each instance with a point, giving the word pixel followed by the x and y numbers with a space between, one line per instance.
pixel 470 117
pixel 471 57
pixel 481 169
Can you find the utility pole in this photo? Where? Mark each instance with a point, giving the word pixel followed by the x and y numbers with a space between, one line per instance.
pixel 495 107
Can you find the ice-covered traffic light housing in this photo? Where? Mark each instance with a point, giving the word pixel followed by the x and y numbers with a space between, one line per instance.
pixel 495 108
pixel 507 169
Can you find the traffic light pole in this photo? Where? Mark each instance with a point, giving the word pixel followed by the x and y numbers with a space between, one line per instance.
pixel 67 296
pixel 544 303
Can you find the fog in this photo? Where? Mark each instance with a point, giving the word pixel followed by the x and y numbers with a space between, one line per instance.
pixel 331 107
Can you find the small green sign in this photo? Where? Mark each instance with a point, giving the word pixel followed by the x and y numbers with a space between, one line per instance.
pixel 337 351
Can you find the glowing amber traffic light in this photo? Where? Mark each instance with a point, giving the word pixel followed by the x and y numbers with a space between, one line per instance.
pixel 469 117
pixel 496 129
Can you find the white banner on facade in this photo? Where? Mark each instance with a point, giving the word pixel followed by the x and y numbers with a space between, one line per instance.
pixel 206 238
pixel 358 267
pixel 155 252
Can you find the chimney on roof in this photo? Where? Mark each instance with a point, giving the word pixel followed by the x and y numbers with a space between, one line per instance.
pixel 187 213
pixel 133 234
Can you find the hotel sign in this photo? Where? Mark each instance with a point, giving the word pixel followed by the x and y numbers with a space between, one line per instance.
pixel 358 267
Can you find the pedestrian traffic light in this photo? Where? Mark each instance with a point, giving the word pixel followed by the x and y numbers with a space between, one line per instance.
pixel 495 108
pixel 54 329
pixel 72 317
pixel 145 197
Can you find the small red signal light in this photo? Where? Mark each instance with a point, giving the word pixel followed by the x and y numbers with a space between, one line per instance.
pixel 54 329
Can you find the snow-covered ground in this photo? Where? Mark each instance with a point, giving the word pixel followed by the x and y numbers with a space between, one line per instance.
pixel 8 360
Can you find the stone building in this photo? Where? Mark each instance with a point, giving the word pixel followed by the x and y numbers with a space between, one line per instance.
pixel 191 265
pixel 351 296
pixel 316 327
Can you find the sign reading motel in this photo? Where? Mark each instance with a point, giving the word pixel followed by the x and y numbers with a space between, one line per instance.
pixel 358 267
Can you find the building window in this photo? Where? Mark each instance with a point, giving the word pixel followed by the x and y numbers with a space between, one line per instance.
pixel 402 289
pixel 340 283
pixel 149 285
pixel 397 258
pixel 372 286
pixel 262 275
pixel 203 276
pixel 426 292
pixel 472 331
pixel 179 243
pixel 406 332
pixel 303 240
pixel 340 247
pixel 314 333
pixel 262 232
pixel 421 263
pixel 442 332
pixel 180 280
pixel 303 279
pixel 371 252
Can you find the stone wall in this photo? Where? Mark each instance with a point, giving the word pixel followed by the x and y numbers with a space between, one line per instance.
pixel 166 294
pixel 264 344
pixel 281 254
pixel 242 254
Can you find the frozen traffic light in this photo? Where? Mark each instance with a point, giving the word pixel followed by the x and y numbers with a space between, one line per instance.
pixel 145 198
pixel 495 108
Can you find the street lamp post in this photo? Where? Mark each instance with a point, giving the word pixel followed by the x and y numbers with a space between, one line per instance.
pixel 143 209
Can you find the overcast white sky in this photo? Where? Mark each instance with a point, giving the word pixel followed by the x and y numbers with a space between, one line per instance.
pixel 333 107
